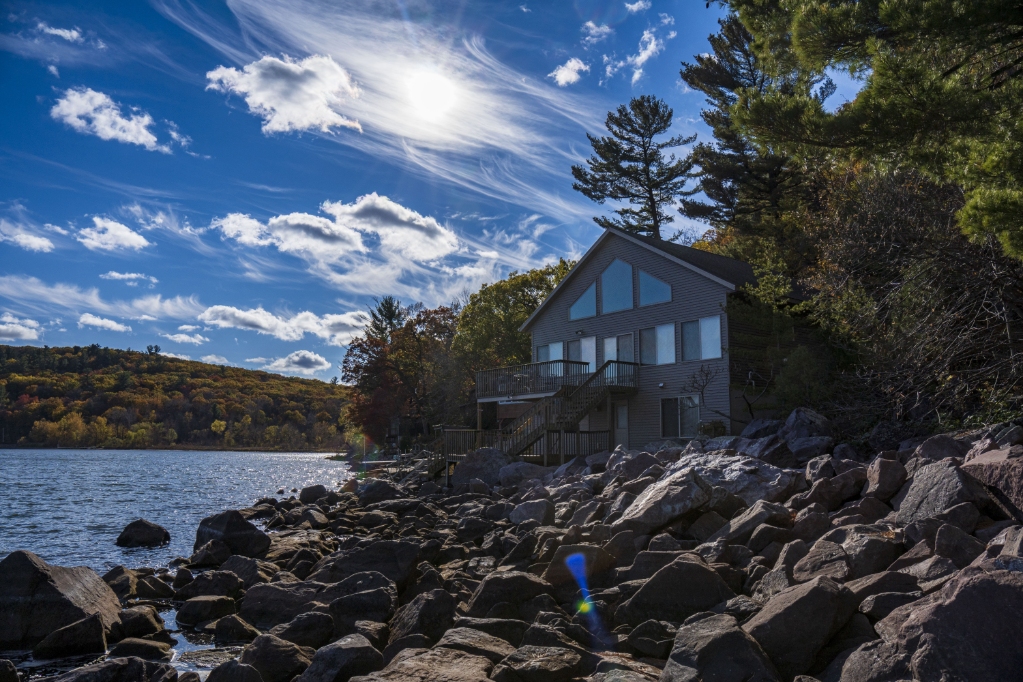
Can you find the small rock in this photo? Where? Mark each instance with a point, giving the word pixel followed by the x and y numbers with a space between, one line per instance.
pixel 233 671
pixel 202 609
pixel 338 662
pixel 275 659
pixel 311 629
pixel 141 648
pixel 142 533
pixel 233 629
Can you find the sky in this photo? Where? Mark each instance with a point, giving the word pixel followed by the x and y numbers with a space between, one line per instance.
pixel 238 182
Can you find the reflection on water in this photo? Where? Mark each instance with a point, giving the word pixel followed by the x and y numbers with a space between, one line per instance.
pixel 68 506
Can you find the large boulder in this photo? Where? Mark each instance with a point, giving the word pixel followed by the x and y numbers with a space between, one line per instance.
pixel 276 603
pixel 376 605
pixel 803 422
pixel 513 587
pixel 233 671
pixel 968 631
pixel 517 472
pixel 740 529
pixel 313 629
pixel 716 648
pixel 885 477
pixel 142 533
pixel 796 623
pixel 37 598
pixel 484 464
pixel 747 478
pixel 119 670
pixel 538 664
pixel 79 638
pixel 936 488
pixel 203 609
pixel 212 583
pixel 251 571
pixel 394 559
pixel 1003 471
pixel 682 588
pixel 596 562
pixel 148 649
pixel 477 643
pixel 311 493
pixel 668 499
pixel 231 528
pixel 275 659
pixel 340 661
pixel 430 614
pixel 379 490
pixel 434 665
pixel 541 511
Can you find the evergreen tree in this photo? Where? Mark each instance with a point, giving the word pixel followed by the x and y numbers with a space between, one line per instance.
pixel 630 165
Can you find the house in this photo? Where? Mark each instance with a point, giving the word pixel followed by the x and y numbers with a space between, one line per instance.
pixel 630 348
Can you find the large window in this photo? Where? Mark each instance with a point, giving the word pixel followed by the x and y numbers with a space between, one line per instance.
pixel 657 345
pixel 652 290
pixel 701 339
pixel 619 348
pixel 552 351
pixel 585 305
pixel 584 350
pixel 680 417
pixel 616 287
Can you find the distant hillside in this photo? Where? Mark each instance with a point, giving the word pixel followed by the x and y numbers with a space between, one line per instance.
pixel 92 396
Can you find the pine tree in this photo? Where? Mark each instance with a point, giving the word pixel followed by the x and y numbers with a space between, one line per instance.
pixel 630 165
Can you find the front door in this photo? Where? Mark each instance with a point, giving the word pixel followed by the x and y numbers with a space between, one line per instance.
pixel 620 412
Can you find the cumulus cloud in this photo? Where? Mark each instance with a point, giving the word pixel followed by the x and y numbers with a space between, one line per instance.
pixel 72 35
pixel 31 291
pixel 594 33
pixel 24 236
pixel 291 95
pixel 649 47
pixel 638 6
pixel 569 72
pixel 188 328
pixel 197 339
pixel 88 319
pixel 666 19
pixel 110 235
pixel 312 237
pixel 93 113
pixel 215 359
pixel 18 329
pixel 177 356
pixel 401 230
pixel 130 278
pixel 338 330
pixel 300 362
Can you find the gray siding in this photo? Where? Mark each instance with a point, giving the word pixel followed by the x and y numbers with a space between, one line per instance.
pixel 693 296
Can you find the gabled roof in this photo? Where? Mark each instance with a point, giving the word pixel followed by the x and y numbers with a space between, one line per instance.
pixel 727 272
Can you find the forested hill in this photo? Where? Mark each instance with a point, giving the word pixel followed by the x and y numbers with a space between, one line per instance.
pixel 92 396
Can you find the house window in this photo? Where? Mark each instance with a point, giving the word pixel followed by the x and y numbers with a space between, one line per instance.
pixel 585 305
pixel 584 350
pixel 552 351
pixel 657 345
pixel 652 290
pixel 701 339
pixel 619 348
pixel 616 287
pixel 680 417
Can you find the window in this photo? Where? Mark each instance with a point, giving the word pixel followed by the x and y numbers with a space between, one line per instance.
pixel 680 417
pixel 657 345
pixel 652 290
pixel 584 350
pixel 551 351
pixel 616 287
pixel 701 339
pixel 619 348
pixel 585 305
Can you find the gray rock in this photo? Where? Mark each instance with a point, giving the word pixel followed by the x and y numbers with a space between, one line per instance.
pixel 739 530
pixel 678 492
pixel 956 545
pixel 512 587
pixel 251 571
pixel 275 659
pixel 313 629
pixel 122 581
pixel 940 447
pixel 394 559
pixel 1003 471
pixel 885 477
pixel 231 528
pixel 716 648
pixel 37 598
pixel 233 629
pixel 212 583
pixel 430 614
pixel 434 665
pixel 517 472
pixel 119 670
pixel 652 638
pixel 212 553
pixel 377 604
pixel 233 671
pixel 510 630
pixel 803 422
pixel 86 636
pixel 677 591
pixel 202 609
pixel 878 606
pixel 805 449
pixel 311 493
pixel 538 664
pixel 541 511
pixel 279 602
pixel 151 587
pixel 379 490
pixel 141 648
pixel 142 533
pixel 772 449
pixel 476 642
pixel 760 428
pixel 484 464
pixel 936 488
pixel 338 662
pixel 140 621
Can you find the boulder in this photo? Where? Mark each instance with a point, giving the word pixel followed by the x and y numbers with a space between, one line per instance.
pixel 202 609
pixel 685 586
pixel 311 493
pixel 878 606
pixel 275 659
pixel 86 636
pixel 37 598
pixel 435 665
pixel 142 648
pixel 377 604
pixel 939 447
pixel 936 488
pixel 538 664
pixel 120 670
pixel 595 560
pixel 251 571
pixel 510 630
pixel 396 560
pixel 8 673
pixel 824 559
pixel 276 603
pixel 517 472
pixel 512 587
pixel 430 614
pixel 213 553
pixel 233 629
pixel 954 544
pixel 675 494
pixel 484 464
pixel 747 478
pixel 140 621
pixel 231 528
pixel 379 490
pixel 1003 471
pixel 885 477
pixel 716 648
pixel 740 529
pixel 212 583
pixel 233 671
pixel 122 581
pixel 805 449
pixel 772 449
pixel 796 623
pixel 476 643
pixel 760 428
pixel 142 533
pixel 869 548
pixel 803 422
pixel 313 629
pixel 342 660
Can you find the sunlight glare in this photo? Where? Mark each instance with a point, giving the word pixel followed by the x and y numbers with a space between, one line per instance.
pixel 431 94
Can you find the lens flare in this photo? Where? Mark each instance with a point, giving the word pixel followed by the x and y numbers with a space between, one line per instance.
pixel 576 565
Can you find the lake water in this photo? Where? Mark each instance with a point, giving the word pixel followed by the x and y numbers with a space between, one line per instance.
pixel 68 506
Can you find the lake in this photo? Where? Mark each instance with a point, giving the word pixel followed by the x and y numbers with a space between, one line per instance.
pixel 69 506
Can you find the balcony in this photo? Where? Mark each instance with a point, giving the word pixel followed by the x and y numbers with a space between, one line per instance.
pixel 533 380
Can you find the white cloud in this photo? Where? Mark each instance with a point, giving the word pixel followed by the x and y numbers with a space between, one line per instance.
pixel 595 33
pixel 36 293
pixel 177 356
pixel 649 47
pixel 638 6
pixel 54 71
pixel 188 327
pixel 110 235
pixel 568 73
pixel 401 230
pixel 102 323
pixel 18 329
pixel 258 361
pixel 72 35
pixel 666 19
pixel 23 236
pixel 215 359
pixel 300 362
pixel 130 278
pixel 94 113
pixel 525 9
pixel 291 95
pixel 338 330
pixel 197 339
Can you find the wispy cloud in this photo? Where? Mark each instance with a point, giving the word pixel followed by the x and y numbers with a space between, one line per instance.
pixel 569 72
pixel 88 319
pixel 130 278
pixel 177 356
pixel 638 6
pixel 215 359
pixel 24 236
pixel 594 33
pixel 18 329
pixel 303 362
pixel 33 292
pixel 649 47
pixel 72 35
pixel 110 235
pixel 196 339
pixel 336 329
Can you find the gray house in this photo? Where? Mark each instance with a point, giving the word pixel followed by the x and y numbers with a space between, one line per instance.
pixel 630 348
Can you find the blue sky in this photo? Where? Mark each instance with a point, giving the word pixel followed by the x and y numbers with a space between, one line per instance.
pixel 236 182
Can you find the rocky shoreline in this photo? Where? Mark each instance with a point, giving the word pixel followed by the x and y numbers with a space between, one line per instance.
pixel 772 556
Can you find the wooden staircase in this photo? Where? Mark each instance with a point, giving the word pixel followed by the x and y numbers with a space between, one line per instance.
pixel 563 410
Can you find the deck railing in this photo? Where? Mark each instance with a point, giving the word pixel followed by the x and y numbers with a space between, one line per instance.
pixel 535 378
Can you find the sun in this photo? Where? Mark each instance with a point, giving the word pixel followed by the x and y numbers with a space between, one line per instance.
pixel 431 94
